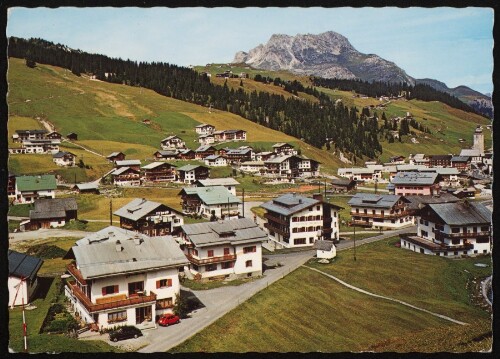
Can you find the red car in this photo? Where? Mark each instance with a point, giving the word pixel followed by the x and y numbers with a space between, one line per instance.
pixel 168 319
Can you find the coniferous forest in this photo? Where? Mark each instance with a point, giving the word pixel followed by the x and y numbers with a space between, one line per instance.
pixel 318 124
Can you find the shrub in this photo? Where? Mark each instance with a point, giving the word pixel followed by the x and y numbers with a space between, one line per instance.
pixel 45 251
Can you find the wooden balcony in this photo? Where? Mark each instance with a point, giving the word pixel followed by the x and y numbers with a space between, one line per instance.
pixel 211 260
pixel 379 215
pixel 360 223
pixel 76 273
pixel 275 219
pixel 283 231
pixel 443 235
pixel 119 303
pixel 435 247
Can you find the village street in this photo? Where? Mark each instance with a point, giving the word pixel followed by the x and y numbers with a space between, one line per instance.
pixel 219 301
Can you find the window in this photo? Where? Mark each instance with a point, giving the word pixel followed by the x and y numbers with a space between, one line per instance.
pixel 110 289
pixel 163 283
pixel 299 241
pixel 226 251
pixel 194 252
pixel 210 253
pixel 424 233
pixel 248 263
pixel 210 267
pixel 311 239
pixel 295 219
pixel 195 267
pixel 485 228
pixel 455 241
pixel 227 265
pixel 421 221
pixel 164 303
pixel 117 316
pixel 455 229
pixel 135 287
pixel 318 208
pixel 249 249
pixel 482 240
pixel 310 208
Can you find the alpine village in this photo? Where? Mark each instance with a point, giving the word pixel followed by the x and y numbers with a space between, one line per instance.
pixel 237 208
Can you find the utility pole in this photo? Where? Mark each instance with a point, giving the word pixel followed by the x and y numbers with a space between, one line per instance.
pixel 110 212
pixel 243 209
pixel 354 242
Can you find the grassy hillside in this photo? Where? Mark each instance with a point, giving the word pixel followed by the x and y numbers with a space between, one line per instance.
pixel 108 117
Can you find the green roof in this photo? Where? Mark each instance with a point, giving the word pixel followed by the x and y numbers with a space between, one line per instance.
pixel 36 183
pixel 213 195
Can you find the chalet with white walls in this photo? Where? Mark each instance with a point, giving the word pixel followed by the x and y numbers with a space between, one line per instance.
pixel 379 211
pixel 121 277
pixel 215 161
pixel 298 221
pixel 30 188
pixel 204 129
pixel 224 249
pixel 157 172
pixel 210 201
pixel 284 149
pixel 66 159
pixel 360 174
pixel 452 230
pixel 23 279
pixel 192 173
pixel 416 183
pixel 126 176
pixel 253 167
pixel 228 183
pixel 325 249
pixel 172 142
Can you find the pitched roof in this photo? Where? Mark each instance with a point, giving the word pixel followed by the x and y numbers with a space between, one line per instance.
pixel 61 154
pixel 156 164
pixel 234 231
pixel 239 151
pixel 460 159
pixel 470 152
pixel 281 144
pixel 462 212
pixel 289 203
pixel 114 154
pixel 170 138
pixel 119 171
pixel 188 168
pixel 323 245
pixel 213 157
pixel 416 202
pixel 167 153
pixel 374 200
pixel 22 265
pixel 343 182
pixel 278 159
pixel 36 183
pixel 89 185
pixel 96 254
pixel 128 163
pixel 41 132
pixel 415 178
pixel 212 195
pixel 138 208
pixel 52 207
pixel 218 182
pixel 204 148
pixel 442 170
pixel 204 125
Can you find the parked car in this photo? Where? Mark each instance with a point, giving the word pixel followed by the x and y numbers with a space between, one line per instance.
pixel 168 319
pixel 125 332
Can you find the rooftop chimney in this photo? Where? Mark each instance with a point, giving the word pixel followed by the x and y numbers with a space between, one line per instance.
pixel 137 239
pixel 118 247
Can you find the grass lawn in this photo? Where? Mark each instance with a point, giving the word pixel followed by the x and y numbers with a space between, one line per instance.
pixel 21 210
pixel 339 319
pixel 44 343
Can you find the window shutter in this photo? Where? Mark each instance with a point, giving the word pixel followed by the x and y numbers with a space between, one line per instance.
pixel 115 289
pixel 103 290
pixel 169 282
pixel 157 284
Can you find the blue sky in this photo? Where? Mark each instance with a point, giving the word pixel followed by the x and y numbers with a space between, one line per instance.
pixel 451 45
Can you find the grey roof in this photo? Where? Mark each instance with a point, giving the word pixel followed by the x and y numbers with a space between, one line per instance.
pixel 415 178
pixel 114 154
pixel 410 167
pixel 212 157
pixel 204 125
pixel 416 202
pixel 239 151
pixel 22 265
pixel 278 159
pixel 167 153
pixel 61 154
pixel 121 170
pixel 188 168
pixel 170 138
pixel 89 185
pixel 52 208
pixel 218 182
pixel 356 170
pixel 442 170
pixel 323 245
pixel 204 148
pixel 212 195
pixel 281 144
pixel 96 254
pixel 462 212
pixel 137 208
pixel 128 163
pixel 261 163
pixel 374 200
pixel 31 131
pixel 289 203
pixel 342 181
pixel 233 131
pixel 470 152
pixel 234 231
pixel 156 164
pixel 184 151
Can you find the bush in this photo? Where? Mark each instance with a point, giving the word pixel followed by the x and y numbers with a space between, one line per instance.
pixel 45 251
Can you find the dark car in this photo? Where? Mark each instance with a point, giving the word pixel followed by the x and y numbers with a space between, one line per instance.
pixel 126 332
pixel 168 319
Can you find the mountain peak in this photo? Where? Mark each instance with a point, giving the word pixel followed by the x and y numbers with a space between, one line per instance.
pixel 328 54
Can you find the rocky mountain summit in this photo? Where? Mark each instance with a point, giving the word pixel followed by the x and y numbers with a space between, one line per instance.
pixel 327 55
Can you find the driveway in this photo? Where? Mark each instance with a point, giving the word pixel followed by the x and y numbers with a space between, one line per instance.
pixel 219 301
pixel 45 233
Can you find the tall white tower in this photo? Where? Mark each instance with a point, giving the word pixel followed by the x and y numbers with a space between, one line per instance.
pixel 478 140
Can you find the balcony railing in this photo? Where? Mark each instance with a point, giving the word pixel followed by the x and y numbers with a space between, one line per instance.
pixel 92 308
pixel 203 261
pixel 442 235
pixel 435 247
pixel 379 215
pixel 284 232
pixel 76 273
pixel 279 220
pixel 361 223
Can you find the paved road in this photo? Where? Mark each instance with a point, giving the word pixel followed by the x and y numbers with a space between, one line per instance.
pixel 221 300
pixel 45 233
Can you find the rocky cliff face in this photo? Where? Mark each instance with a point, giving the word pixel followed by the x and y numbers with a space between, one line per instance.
pixel 328 55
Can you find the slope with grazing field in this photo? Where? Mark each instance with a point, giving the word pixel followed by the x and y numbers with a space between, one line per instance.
pixel 308 312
